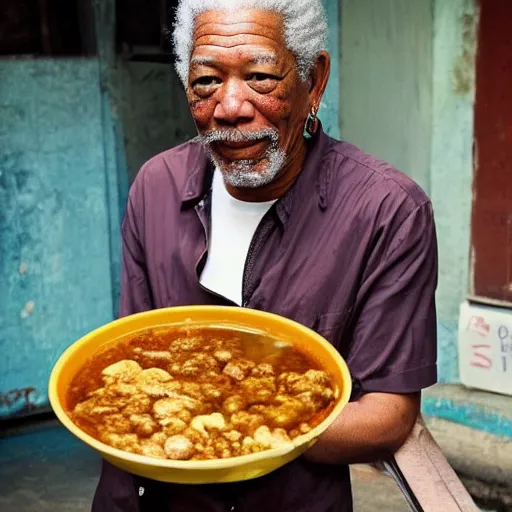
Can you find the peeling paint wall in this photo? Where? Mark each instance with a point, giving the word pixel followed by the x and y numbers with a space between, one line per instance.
pixel 55 276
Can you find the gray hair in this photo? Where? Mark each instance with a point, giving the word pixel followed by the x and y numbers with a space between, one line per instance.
pixel 305 28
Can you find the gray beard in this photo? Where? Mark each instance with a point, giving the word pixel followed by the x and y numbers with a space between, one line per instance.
pixel 243 173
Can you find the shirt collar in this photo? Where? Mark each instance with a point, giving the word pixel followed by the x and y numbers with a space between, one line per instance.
pixel 313 172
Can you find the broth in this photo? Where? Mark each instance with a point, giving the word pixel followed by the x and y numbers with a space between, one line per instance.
pixel 199 393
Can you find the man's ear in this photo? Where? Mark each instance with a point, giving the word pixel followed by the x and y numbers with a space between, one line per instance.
pixel 319 77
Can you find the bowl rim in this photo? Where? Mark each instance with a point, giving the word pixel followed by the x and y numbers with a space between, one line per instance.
pixel 114 453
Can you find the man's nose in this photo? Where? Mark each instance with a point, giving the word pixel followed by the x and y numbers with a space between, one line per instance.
pixel 233 106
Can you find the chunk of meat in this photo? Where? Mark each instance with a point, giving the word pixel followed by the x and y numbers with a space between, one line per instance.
pixel 204 424
pixel 258 390
pixel 233 435
pixel 122 371
pixel 287 414
pixel 187 344
pixel 234 403
pixel 151 449
pixel 192 389
pixel 167 407
pixel 212 391
pixel 178 447
pixel 137 404
pixel 122 389
pixel 173 426
pixel 263 370
pixel 249 445
pixel 238 369
pixel 313 388
pixel 246 422
pixel 319 377
pixel 277 438
pixel 196 366
pixel 144 424
pixel 90 409
pixel 152 376
pixel 116 423
pixel 222 448
pixel 223 355
pixel 127 442
pixel 158 438
pixel 161 389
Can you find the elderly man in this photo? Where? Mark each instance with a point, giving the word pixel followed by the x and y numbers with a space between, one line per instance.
pixel 264 210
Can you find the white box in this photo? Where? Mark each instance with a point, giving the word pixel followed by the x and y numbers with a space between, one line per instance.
pixel 485 348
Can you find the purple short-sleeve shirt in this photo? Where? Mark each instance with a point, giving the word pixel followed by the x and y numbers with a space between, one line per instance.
pixel 350 251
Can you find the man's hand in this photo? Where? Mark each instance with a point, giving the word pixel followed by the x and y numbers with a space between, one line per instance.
pixel 368 430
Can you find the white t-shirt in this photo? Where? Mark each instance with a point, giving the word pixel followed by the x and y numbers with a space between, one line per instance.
pixel 233 224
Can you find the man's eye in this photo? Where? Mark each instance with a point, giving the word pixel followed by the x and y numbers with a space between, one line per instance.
pixel 260 77
pixel 206 81
pixel 262 83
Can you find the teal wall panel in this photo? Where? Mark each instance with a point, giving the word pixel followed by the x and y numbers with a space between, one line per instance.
pixel 329 108
pixel 55 275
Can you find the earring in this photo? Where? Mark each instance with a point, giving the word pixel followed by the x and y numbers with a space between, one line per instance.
pixel 311 126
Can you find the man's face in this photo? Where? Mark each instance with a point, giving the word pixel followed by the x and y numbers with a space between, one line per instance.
pixel 245 95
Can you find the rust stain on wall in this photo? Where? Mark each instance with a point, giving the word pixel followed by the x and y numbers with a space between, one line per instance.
pixel 15 396
pixel 463 68
pixel 492 205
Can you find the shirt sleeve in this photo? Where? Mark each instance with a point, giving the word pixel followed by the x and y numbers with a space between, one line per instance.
pixel 393 348
pixel 136 293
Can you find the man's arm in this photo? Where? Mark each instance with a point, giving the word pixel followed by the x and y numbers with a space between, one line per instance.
pixel 392 352
pixel 369 429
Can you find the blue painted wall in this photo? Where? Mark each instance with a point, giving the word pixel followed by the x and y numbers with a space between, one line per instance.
pixel 329 108
pixel 55 265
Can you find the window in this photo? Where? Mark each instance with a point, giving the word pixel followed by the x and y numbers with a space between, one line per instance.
pixel 42 28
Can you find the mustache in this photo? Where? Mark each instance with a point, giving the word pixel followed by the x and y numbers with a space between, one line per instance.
pixel 237 135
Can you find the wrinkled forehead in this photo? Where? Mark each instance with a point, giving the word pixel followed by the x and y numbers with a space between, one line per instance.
pixel 250 34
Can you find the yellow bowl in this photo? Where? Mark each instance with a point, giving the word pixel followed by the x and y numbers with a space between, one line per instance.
pixel 209 471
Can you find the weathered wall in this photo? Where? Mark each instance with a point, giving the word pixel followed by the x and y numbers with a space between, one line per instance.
pixel 386 81
pixel 407 92
pixel 55 279
pixel 451 173
pixel 153 109
pixel 329 109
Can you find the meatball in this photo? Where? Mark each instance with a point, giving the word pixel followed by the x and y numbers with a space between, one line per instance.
pixel 234 403
pixel 126 442
pixel 246 422
pixel 205 423
pixel 173 426
pixel 90 409
pixel 258 390
pixel 122 371
pixel 152 376
pixel 263 370
pixel 143 424
pixel 178 447
pixel 278 438
pixel 167 407
pixel 238 369
pixel 222 355
pixel 151 449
